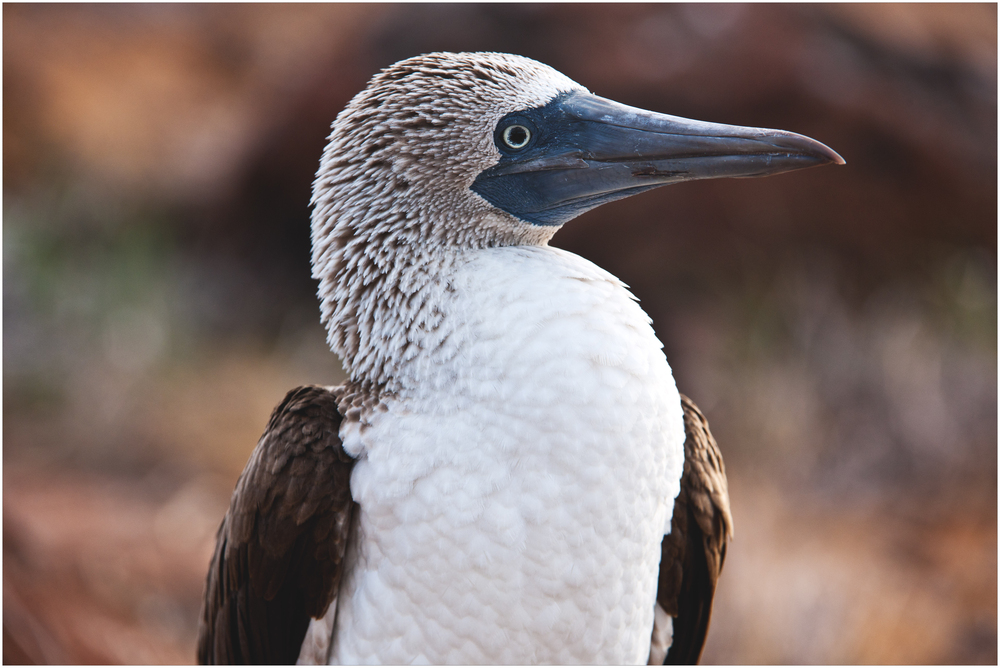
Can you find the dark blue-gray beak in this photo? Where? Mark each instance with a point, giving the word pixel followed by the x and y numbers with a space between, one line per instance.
pixel 581 151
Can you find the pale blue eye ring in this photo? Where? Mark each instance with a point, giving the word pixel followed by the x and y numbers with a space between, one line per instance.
pixel 516 136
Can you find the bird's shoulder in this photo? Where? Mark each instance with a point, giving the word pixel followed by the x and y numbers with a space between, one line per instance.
pixel 280 548
pixel 693 553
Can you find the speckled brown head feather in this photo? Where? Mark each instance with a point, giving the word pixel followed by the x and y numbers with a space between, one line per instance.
pixel 392 195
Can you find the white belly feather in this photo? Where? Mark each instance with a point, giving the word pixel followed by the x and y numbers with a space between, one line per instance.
pixel 515 493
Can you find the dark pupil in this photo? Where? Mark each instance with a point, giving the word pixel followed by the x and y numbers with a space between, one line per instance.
pixel 517 136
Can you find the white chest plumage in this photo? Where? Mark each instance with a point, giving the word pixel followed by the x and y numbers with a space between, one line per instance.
pixel 515 492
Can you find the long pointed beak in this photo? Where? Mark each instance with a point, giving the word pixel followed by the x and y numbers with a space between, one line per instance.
pixel 586 150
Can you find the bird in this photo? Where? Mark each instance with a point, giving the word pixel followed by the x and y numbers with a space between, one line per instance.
pixel 509 474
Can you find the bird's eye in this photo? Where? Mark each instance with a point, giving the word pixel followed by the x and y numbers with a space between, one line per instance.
pixel 516 136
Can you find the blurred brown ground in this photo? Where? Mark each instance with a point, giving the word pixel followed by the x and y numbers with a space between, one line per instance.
pixel 838 326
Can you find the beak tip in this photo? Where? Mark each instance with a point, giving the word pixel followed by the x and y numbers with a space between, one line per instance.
pixel 809 147
pixel 829 154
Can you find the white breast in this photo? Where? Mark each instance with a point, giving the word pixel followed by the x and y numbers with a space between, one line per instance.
pixel 515 493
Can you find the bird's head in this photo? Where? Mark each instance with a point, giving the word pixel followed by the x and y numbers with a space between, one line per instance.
pixel 470 150
pixel 481 149
pixel 405 153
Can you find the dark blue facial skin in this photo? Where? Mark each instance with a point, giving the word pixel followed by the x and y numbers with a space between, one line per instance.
pixel 585 151
pixel 526 181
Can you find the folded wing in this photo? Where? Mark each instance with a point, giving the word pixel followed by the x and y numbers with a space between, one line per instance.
pixel 693 552
pixel 280 550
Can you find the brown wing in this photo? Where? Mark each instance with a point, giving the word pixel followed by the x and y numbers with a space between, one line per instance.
pixel 693 552
pixel 280 549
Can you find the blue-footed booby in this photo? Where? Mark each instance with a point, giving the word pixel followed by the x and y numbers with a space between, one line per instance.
pixel 509 474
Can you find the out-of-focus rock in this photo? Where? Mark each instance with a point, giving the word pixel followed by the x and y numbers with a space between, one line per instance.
pixel 98 569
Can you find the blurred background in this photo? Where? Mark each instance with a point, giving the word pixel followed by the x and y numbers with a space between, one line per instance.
pixel 838 326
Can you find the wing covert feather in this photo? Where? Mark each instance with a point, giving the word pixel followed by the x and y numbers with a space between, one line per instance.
pixel 692 554
pixel 280 549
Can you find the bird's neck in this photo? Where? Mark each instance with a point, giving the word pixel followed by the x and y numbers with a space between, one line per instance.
pixel 385 287
pixel 382 309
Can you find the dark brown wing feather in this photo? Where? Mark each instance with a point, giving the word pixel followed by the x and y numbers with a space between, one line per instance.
pixel 693 552
pixel 280 549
